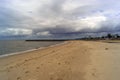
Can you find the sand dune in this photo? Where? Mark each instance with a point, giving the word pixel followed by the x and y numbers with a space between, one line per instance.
pixel 74 60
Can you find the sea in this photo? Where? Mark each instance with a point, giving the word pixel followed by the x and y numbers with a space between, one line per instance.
pixel 9 47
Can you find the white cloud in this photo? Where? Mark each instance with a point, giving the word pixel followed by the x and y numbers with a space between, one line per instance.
pixel 73 4
pixel 93 22
pixel 16 31
pixel 45 33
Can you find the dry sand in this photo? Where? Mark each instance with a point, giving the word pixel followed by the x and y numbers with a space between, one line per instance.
pixel 75 60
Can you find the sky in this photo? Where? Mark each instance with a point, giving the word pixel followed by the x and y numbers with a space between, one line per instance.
pixel 58 18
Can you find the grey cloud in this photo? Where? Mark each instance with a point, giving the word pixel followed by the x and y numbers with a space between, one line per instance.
pixel 52 10
pixel 51 20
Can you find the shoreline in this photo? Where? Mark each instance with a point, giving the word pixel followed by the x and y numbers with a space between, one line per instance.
pixel 31 50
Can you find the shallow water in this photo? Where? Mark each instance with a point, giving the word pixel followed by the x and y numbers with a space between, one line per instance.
pixel 12 46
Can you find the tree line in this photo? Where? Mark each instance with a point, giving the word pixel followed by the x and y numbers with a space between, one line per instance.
pixel 108 36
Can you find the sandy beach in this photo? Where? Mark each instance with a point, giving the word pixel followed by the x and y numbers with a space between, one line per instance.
pixel 73 60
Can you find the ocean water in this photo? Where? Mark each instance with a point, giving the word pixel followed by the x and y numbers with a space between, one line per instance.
pixel 13 46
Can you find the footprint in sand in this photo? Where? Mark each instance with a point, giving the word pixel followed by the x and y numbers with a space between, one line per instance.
pixel 66 62
pixel 26 72
pixel 55 79
pixel 8 70
pixel 106 48
pixel 41 64
pixel 59 63
pixel 59 79
pixel 53 51
pixel 26 60
pixel 94 74
pixel 51 78
pixel 37 67
pixel 10 67
pixel 49 62
pixel 19 78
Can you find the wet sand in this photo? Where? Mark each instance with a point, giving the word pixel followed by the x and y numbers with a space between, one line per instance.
pixel 74 60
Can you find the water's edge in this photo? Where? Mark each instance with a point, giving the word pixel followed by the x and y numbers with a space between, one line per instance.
pixel 26 51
